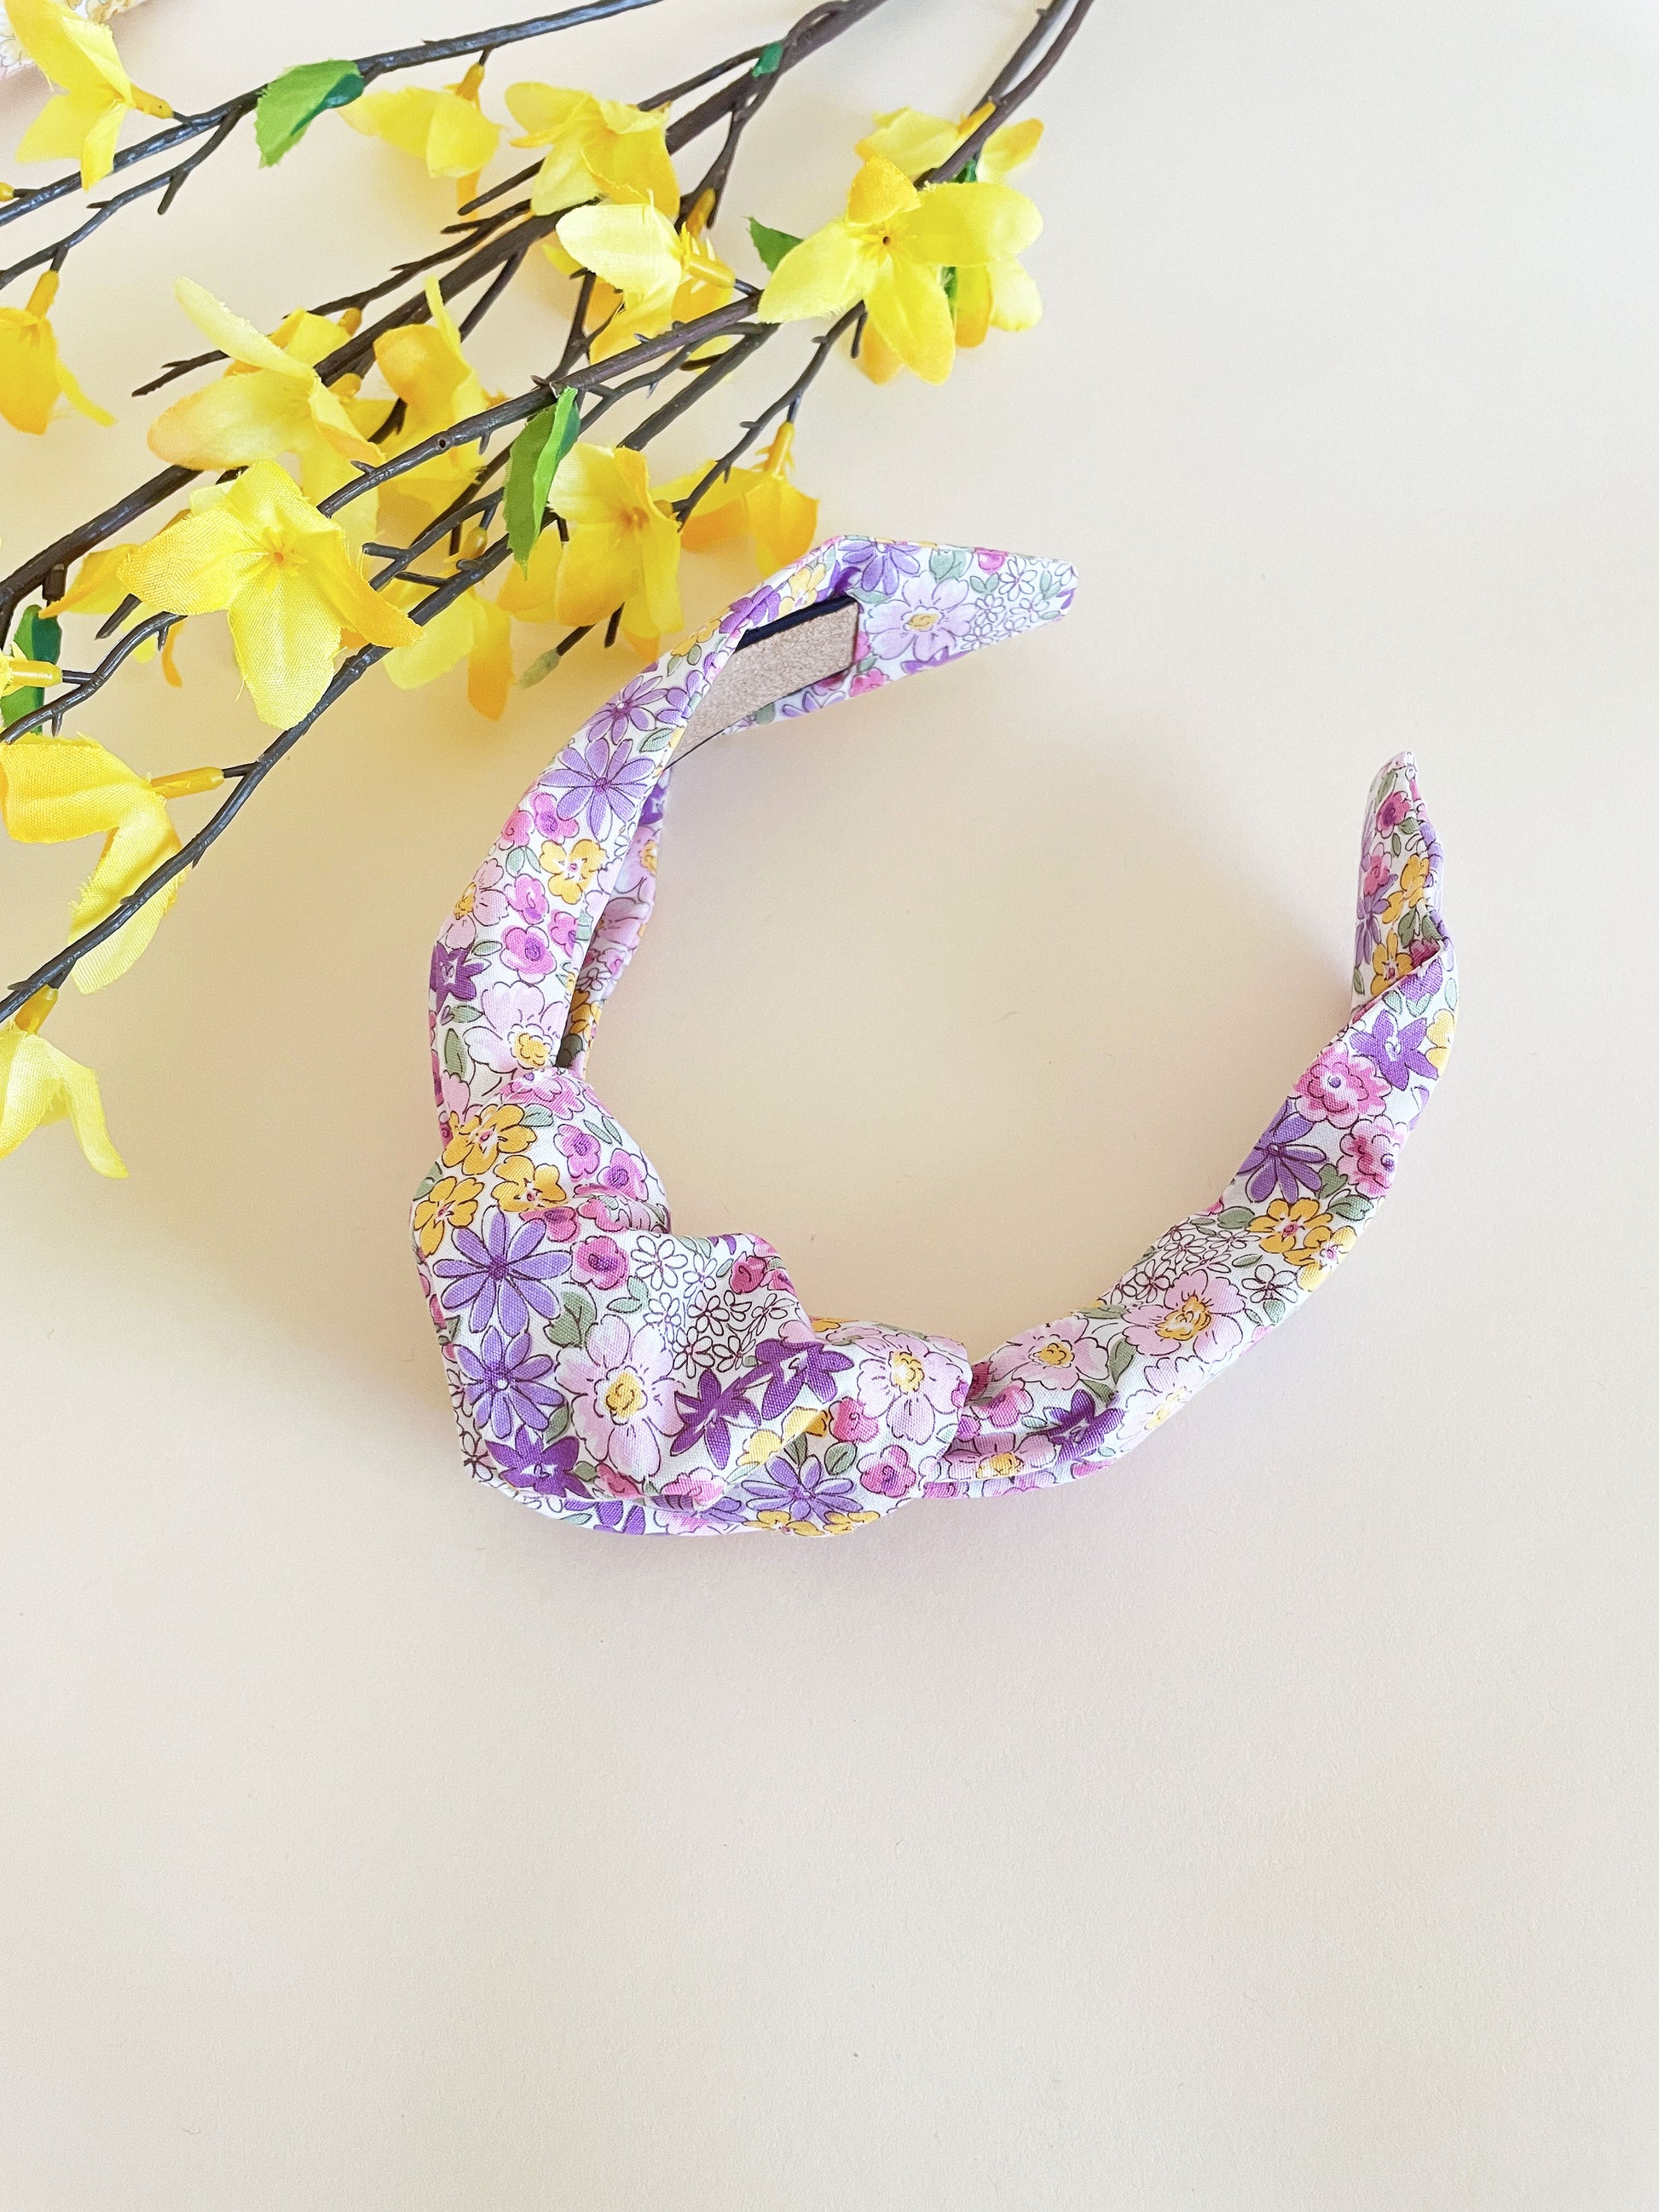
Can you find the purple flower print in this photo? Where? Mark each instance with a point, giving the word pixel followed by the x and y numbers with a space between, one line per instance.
pixel 630 710
pixel 706 1418
pixel 1082 1428
pixel 806 1494
pixel 1395 1049
pixel 749 1273
pixel 1279 1164
pixel 1340 1087
pixel 581 1150
pixel 528 898
pixel 505 1383
pixel 1371 1153
pixel 502 1274
pixel 787 1368
pixel 879 568
pixel 621 1518
pixel 600 779
pixel 1425 979
pixel 602 1261
pixel 531 952
pixel 550 820
pixel 1392 813
pixel 530 1462
pixel 455 975
pixel 623 1176
pixel 892 1474
pixel 927 621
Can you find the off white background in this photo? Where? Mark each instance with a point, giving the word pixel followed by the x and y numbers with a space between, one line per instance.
pixel 1266 1824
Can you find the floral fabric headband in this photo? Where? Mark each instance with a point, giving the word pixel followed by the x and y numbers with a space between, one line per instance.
pixel 607 1370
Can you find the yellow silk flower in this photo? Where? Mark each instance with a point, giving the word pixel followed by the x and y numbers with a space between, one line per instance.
pixel 55 788
pixel 624 549
pixel 1001 294
pixel 660 274
pixel 448 130
pixel 597 149
pixel 32 373
pixel 39 1083
pixel 270 401
pixel 84 120
pixel 471 629
pixel 424 364
pixel 781 519
pixel 97 589
pixel 889 251
pixel 286 578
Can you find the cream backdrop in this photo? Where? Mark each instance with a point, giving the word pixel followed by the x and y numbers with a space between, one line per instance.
pixel 1266 1824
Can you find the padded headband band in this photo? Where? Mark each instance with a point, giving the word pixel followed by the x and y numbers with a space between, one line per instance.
pixel 604 1368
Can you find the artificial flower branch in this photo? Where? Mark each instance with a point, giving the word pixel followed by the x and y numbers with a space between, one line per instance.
pixel 223 119
pixel 504 248
pixel 489 252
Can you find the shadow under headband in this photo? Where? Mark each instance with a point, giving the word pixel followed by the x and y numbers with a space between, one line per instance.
pixel 607 1370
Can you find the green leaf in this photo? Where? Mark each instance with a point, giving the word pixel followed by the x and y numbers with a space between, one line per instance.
pixel 1120 1358
pixel 456 1062
pixel 537 450
pixel 38 638
pixel 771 245
pixel 766 62
pixel 1236 1217
pixel 291 103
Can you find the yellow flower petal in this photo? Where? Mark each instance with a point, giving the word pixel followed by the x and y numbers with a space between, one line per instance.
pixel 909 307
pixel 822 275
pixel 879 193
pixel 39 1083
pixel 965 225
pixel 286 635
pixel 528 596
pixel 1009 149
pixel 87 116
pixel 635 249
pixel 911 140
pixel 440 645
pixel 489 664
pixel 32 373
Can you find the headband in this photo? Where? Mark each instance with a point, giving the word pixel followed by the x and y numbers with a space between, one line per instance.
pixel 607 1370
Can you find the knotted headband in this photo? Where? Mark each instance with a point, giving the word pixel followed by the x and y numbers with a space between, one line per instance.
pixel 608 1371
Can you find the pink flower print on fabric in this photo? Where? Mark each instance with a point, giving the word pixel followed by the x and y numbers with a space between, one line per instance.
pixel 617 1385
pixel 609 1372
pixel 912 1388
pixel 1340 1087
pixel 1370 1152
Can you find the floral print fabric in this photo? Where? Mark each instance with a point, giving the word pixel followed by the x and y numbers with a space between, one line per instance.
pixel 604 1369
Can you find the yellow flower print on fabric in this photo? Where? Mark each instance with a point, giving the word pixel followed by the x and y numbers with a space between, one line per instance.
pixel 521 1187
pixel 1295 1231
pixel 451 1202
pixel 572 869
pixel 482 1140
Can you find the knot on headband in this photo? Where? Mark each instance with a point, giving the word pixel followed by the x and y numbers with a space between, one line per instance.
pixel 608 1371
